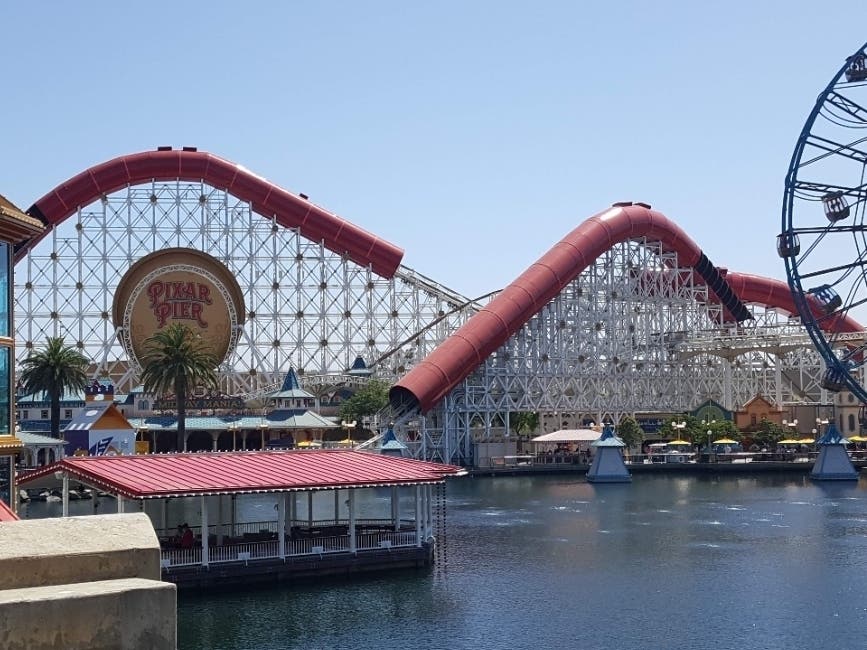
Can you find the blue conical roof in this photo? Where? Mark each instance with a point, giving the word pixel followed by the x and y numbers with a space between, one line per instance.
pixel 291 387
pixel 359 367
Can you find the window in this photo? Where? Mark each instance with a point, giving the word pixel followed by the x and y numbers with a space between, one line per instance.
pixel 753 420
pixel 43 414
pixel 851 422
pixel 144 405
pixel 5 289
pixel 25 415
pixel 67 414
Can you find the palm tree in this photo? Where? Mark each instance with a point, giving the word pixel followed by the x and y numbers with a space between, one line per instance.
pixel 54 370
pixel 176 360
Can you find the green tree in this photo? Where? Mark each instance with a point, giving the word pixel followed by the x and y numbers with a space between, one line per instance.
pixel 175 360
pixel 768 434
pixel 523 422
pixel 54 370
pixel 630 432
pixel 368 400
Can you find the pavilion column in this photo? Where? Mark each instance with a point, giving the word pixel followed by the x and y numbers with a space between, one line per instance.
pixel 287 503
pixel 215 435
pixel 232 514
pixel 120 503
pixel 281 525
pixel 310 509
pixel 66 494
pixel 186 439
pixel 336 506
pixel 220 518
pixel 353 543
pixel 293 508
pixel 244 439
pixel 205 535
pixel 153 442
pixel 164 517
pixel 429 510
pixel 418 515
pixel 425 506
pixel 395 508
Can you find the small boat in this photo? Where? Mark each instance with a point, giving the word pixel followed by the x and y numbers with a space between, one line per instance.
pixel 51 496
pixel 23 496
pixel 79 493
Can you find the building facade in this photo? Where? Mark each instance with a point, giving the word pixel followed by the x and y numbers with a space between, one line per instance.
pixel 15 228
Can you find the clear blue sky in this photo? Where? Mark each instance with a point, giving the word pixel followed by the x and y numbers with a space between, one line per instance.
pixel 475 135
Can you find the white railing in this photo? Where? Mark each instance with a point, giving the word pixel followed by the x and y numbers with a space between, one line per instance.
pixel 248 551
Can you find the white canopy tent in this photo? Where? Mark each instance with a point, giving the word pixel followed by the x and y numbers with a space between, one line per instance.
pixel 568 435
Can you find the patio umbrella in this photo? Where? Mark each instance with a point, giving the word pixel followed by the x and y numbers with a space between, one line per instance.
pixel 857 439
pixel 789 441
pixel 680 442
pixel 725 441
pixel 806 441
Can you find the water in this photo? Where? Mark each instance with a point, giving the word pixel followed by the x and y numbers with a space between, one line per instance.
pixel 552 562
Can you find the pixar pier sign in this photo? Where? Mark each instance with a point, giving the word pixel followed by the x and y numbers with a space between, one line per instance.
pixel 179 301
pixel 178 285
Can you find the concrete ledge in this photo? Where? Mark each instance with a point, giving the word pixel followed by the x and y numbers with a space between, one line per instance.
pixel 41 552
pixel 119 614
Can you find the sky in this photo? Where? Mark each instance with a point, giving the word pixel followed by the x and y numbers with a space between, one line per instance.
pixel 474 135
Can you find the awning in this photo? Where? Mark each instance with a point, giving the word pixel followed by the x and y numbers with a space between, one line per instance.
pixel 569 435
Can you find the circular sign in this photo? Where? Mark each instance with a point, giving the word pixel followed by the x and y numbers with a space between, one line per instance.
pixel 178 285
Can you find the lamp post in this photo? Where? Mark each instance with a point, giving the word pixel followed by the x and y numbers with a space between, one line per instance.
pixel 709 433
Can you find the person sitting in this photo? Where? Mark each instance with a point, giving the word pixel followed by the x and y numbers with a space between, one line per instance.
pixel 187 537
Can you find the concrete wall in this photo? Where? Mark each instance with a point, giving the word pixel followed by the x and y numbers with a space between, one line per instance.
pixel 84 582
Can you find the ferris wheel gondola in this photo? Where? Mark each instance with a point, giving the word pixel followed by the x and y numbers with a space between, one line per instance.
pixel 823 240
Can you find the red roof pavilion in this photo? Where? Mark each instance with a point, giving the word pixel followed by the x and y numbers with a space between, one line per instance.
pixel 181 475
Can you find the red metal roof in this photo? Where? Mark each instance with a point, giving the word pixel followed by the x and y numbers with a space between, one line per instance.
pixel 171 475
pixel 456 357
pixel 290 210
pixel 6 513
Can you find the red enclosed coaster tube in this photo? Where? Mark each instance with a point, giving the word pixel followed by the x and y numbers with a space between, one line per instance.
pixel 266 198
pixel 450 363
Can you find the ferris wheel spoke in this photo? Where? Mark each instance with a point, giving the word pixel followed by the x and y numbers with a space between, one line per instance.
pixel 814 191
pixel 858 264
pixel 831 148
pixel 848 107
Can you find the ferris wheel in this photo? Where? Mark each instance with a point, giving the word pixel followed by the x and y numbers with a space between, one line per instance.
pixel 823 240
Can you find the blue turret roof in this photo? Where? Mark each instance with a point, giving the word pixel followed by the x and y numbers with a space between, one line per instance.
pixel 359 367
pixel 291 388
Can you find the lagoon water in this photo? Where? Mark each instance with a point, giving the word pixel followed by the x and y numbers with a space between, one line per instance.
pixel 766 562
pixel 771 562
